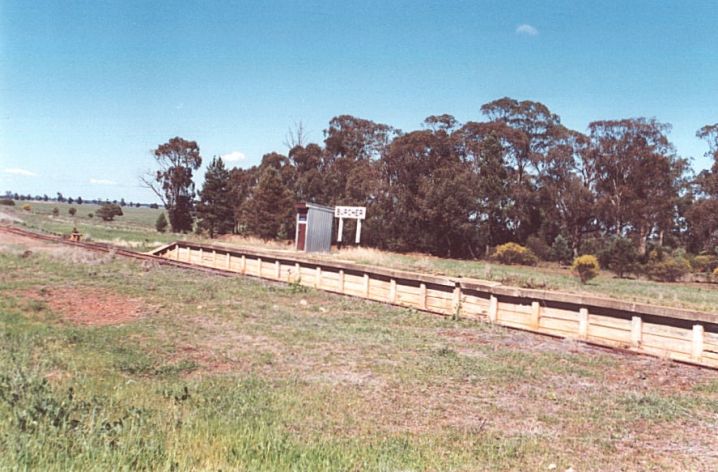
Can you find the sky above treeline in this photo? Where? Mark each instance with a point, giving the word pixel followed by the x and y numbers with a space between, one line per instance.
pixel 89 88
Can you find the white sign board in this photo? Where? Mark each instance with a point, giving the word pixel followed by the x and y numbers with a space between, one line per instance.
pixel 358 213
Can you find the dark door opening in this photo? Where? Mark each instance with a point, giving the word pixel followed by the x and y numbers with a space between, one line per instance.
pixel 302 228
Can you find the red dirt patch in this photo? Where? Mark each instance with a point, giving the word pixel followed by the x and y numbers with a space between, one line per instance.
pixel 86 306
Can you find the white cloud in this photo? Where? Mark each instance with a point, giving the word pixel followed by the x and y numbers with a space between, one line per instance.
pixel 527 30
pixel 18 171
pixel 233 156
pixel 102 182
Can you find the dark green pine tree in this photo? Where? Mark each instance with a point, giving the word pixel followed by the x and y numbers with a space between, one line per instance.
pixel 215 210
pixel 161 223
pixel 268 213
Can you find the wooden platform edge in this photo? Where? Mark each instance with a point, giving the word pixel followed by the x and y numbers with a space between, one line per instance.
pixel 567 315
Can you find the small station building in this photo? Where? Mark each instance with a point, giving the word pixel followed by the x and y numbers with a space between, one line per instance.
pixel 314 227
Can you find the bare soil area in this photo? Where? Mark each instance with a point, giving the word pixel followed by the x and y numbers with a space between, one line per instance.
pixel 87 306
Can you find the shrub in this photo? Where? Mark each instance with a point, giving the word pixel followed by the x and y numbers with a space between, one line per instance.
pixel 586 267
pixel 27 207
pixel 108 211
pixel 657 254
pixel 72 211
pixel 7 202
pixel 90 215
pixel 595 245
pixel 680 252
pixel 561 250
pixel 512 253
pixel 55 211
pixel 161 223
pixel 621 256
pixel 538 246
pixel 705 263
pixel 669 269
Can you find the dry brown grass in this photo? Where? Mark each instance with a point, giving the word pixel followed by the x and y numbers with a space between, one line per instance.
pixel 252 242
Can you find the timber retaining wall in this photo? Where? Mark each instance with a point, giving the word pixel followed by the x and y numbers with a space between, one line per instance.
pixel 672 333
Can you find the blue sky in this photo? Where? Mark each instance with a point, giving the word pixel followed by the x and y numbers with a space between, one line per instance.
pixel 88 88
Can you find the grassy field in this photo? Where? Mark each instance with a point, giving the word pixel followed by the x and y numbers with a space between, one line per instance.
pixel 136 229
pixel 108 364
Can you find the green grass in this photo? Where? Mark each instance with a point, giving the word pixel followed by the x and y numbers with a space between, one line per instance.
pixel 233 374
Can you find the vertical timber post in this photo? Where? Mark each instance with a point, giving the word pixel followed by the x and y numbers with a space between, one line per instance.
pixel 422 296
pixel 229 261
pixel 456 302
pixel 243 264
pixel 583 323
pixel 259 267
pixel 697 345
pixel 214 258
pixel 636 331
pixel 278 267
pixel 392 291
pixel 366 285
pixel 298 276
pixel 493 309
pixel 318 278
pixel 341 281
pixel 535 315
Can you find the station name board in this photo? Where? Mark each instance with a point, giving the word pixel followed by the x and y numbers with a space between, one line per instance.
pixel 358 213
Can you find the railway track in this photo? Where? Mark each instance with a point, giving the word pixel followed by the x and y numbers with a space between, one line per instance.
pixel 110 248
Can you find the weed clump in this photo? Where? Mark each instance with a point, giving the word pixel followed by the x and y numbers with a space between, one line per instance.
pixel 295 286
pixel 46 420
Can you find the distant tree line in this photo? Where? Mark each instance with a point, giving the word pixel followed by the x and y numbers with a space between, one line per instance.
pixel 459 189
pixel 10 195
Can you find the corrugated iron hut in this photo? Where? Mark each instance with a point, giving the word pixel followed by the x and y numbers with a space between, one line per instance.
pixel 314 227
